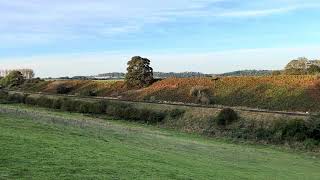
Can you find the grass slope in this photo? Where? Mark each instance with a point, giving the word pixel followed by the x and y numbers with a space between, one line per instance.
pixel 293 93
pixel 71 146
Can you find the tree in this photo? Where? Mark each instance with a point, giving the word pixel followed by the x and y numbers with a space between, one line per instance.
pixel 139 74
pixel 313 69
pixel 295 71
pixel 299 63
pixel 14 78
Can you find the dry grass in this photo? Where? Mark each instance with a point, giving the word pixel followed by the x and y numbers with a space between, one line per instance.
pixel 291 93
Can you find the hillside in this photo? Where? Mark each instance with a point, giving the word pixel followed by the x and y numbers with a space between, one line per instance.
pixel 42 144
pixel 292 93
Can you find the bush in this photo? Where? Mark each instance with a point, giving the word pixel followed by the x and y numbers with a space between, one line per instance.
pixel 176 113
pixel 63 89
pixel 313 124
pixel 88 92
pixel 150 116
pixel 44 102
pixel 202 95
pixel 83 107
pixel 119 110
pixel 30 100
pixel 3 97
pixel 69 105
pixel 295 129
pixel 226 117
pixel 127 111
pixel 56 103
pixel 16 98
pixel 92 107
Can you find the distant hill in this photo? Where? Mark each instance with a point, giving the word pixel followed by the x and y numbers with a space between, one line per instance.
pixel 247 73
pixel 163 75
pixel 160 75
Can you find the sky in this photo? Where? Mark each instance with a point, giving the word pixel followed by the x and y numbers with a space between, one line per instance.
pixel 81 37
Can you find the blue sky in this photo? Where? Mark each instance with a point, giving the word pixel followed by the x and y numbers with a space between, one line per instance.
pixel 75 37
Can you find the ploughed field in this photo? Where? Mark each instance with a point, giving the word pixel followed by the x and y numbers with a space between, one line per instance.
pixel 36 143
pixel 284 92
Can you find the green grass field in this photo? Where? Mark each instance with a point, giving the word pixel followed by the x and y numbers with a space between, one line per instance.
pixel 41 144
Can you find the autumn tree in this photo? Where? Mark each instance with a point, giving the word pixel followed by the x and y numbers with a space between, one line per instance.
pixel 313 69
pixel 14 78
pixel 139 72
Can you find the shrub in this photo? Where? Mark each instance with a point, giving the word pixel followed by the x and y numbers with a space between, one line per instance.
pixel 3 96
pixel 69 105
pixel 202 94
pixel 198 90
pixel 313 124
pixel 176 113
pixel 30 100
pixel 127 111
pixel 56 103
pixel 295 129
pixel 226 117
pixel 99 107
pixel 88 92
pixel 17 98
pixel 150 116
pixel 118 109
pixel 63 89
pixel 83 107
pixel 92 107
pixel 44 102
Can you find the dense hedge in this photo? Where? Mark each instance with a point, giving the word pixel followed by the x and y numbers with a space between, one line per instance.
pixel 280 131
pixel 118 110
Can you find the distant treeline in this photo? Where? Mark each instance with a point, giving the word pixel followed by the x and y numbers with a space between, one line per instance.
pixel 120 75
pixel 248 73
pixel 162 75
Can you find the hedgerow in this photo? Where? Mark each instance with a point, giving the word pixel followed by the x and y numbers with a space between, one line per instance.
pixel 118 110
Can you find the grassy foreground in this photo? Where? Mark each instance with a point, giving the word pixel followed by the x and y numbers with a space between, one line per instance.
pixel 40 144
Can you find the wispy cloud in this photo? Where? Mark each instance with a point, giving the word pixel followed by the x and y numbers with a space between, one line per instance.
pixel 23 21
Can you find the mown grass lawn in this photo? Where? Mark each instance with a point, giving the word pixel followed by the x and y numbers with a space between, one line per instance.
pixel 97 149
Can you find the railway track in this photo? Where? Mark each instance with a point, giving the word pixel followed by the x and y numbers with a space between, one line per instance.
pixel 180 104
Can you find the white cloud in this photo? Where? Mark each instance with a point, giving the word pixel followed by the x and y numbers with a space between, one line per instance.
pixel 63 19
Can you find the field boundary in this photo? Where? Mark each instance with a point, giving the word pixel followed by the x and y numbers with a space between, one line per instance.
pixel 180 104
